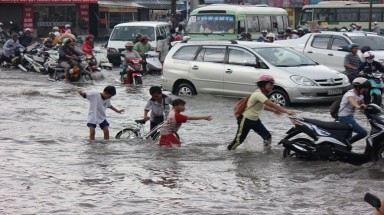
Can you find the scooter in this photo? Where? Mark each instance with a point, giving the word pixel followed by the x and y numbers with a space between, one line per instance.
pixel 376 89
pixel 153 62
pixel 33 63
pixel 16 60
pixel 76 74
pixel 328 140
pixel 101 59
pixel 132 75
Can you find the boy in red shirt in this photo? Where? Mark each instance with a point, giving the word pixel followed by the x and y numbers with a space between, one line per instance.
pixel 173 123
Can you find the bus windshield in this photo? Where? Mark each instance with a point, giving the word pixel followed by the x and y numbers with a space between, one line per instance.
pixel 128 33
pixel 211 24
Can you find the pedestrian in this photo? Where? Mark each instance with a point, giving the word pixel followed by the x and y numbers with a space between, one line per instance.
pixel 173 123
pixel 376 28
pixel 98 104
pixel 352 62
pixel 159 105
pixel 352 100
pixel 249 119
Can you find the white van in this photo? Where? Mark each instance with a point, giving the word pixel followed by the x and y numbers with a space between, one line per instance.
pixel 157 32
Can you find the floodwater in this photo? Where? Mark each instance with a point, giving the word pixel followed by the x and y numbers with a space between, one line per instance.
pixel 47 165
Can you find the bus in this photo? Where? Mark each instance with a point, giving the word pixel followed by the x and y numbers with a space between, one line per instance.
pixel 341 14
pixel 223 21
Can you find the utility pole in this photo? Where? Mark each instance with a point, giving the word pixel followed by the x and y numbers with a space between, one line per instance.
pixel 370 16
pixel 173 12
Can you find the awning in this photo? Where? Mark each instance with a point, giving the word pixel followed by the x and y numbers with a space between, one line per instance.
pixel 119 6
pixel 156 4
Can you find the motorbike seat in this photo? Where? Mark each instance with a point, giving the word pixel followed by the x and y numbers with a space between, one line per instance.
pixel 140 121
pixel 329 125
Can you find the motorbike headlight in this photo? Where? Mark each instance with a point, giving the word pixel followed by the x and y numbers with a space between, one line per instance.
pixel 300 80
pixel 112 50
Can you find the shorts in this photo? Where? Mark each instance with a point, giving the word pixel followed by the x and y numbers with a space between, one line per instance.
pixel 168 140
pixel 102 125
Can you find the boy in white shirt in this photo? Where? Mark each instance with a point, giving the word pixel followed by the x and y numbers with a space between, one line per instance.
pixel 98 104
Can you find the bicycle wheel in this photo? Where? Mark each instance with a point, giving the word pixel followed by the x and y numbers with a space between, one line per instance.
pixel 157 136
pixel 127 133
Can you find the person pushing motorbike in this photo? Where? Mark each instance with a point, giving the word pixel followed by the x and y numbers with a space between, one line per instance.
pixel 9 48
pixel 67 57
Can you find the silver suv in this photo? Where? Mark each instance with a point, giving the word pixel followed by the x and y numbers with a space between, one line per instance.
pixel 233 68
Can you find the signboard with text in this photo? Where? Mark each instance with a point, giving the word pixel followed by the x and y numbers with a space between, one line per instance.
pixel 28 17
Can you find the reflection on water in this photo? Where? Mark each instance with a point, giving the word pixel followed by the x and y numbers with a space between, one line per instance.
pixel 49 167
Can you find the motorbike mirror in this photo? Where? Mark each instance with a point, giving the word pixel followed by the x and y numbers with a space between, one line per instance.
pixel 372 200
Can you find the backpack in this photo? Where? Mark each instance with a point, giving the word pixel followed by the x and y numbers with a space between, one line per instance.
pixel 240 106
pixel 334 109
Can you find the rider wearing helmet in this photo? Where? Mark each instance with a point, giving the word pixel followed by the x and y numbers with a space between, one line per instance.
pixel 126 54
pixel 249 119
pixel 67 29
pixel 88 46
pixel 68 56
pixel 9 48
pixel 271 37
pixel 289 35
pixel 352 100
pixel 370 65
pixel 352 62
pixel 26 38
pixel 56 31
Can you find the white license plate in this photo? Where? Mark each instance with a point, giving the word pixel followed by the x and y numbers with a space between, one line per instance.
pixel 335 92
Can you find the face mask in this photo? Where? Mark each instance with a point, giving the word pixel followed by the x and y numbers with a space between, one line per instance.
pixel 129 48
pixel 369 60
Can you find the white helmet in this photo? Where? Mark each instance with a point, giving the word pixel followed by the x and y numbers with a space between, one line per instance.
pixel 57 34
pixel 369 55
pixel 67 25
pixel 55 28
pixel 1 23
pixel 271 35
pixel 28 29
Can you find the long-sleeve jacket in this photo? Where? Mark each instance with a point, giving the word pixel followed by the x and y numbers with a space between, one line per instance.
pixel 67 50
pixel 10 47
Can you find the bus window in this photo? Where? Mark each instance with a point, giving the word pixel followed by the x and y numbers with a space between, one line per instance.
pixel 252 24
pixel 347 14
pixel 364 14
pixel 241 27
pixel 285 21
pixel 306 16
pixel 277 23
pixel 325 14
pixel 211 24
pixel 265 23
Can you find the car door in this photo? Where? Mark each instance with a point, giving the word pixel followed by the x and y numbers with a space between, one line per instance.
pixel 317 49
pixel 207 70
pixel 242 71
pixel 335 58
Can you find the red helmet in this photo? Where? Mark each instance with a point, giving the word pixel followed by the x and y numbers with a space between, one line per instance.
pixel 266 78
pixel 89 36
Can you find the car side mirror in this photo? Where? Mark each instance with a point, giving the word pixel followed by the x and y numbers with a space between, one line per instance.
pixel 248 62
pixel 343 48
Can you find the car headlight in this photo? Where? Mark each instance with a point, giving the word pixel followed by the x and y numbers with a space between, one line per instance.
pixel 300 80
pixel 112 50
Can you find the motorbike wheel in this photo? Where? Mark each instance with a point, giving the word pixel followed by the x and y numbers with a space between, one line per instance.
pixel 137 80
pixel 127 133
pixel 376 99
pixel 299 141
pixel 86 77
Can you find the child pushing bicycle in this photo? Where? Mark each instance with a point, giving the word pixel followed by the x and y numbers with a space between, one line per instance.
pixel 173 123
pixel 158 105
pixel 98 104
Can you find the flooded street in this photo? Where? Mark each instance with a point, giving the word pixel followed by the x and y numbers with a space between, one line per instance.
pixel 47 165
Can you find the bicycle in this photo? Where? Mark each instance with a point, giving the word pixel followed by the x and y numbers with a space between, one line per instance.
pixel 136 130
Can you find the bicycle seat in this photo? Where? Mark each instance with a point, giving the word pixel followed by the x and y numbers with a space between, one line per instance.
pixel 329 125
pixel 140 121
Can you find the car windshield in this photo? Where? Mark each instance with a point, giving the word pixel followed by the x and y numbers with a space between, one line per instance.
pixel 284 57
pixel 128 33
pixel 375 42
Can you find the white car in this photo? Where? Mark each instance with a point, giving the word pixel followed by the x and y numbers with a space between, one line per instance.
pixel 233 68
pixel 330 48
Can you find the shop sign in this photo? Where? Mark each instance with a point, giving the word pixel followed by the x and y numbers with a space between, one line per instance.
pixel 50 24
pixel 28 17
pixel 49 1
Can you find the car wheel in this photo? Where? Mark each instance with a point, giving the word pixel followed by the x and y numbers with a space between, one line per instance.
pixel 279 97
pixel 185 89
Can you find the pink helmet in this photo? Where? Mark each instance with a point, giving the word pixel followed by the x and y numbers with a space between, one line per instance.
pixel 266 78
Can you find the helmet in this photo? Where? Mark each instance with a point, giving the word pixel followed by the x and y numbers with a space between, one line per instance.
pixel 375 23
pixel 55 28
pixel 264 31
pixel 353 45
pixel 139 35
pixel 67 25
pixel 361 82
pixel 129 44
pixel 57 34
pixel 368 55
pixel 28 29
pixel 89 36
pixel 271 35
pixel 1 23
pixel 280 32
pixel 288 30
pixel 67 40
pixel 48 40
pixel 365 49
pixel 266 78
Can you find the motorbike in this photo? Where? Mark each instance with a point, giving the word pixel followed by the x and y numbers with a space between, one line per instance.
pixel 132 75
pixel 101 59
pixel 153 62
pixel 16 60
pixel 328 140
pixel 376 88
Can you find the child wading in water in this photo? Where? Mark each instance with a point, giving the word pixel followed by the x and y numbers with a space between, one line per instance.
pixel 98 104
pixel 173 123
